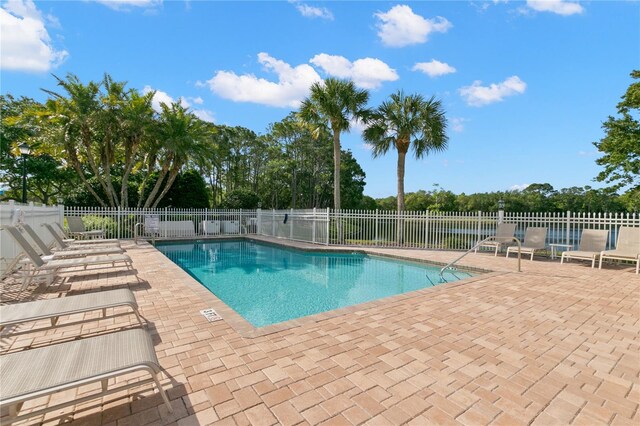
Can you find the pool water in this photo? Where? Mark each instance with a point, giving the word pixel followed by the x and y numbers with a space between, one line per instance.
pixel 267 284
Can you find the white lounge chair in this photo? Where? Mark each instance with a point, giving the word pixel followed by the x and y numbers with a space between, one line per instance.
pixel 72 244
pixel 48 269
pixel 50 369
pixel 535 238
pixel 627 247
pixel 504 236
pixel 77 229
pixel 592 243
pixel 58 254
pixel 54 308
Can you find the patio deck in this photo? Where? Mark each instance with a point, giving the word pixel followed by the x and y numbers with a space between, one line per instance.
pixel 550 345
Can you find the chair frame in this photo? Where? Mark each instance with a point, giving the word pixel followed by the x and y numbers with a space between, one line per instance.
pixel 14 403
pixel 82 303
pixel 531 232
pixel 502 237
pixel 583 253
pixel 611 254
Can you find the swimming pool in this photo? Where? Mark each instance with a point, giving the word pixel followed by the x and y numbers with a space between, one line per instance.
pixel 267 284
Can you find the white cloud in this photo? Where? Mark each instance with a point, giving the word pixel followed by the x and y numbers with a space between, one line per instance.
pixel 312 12
pixel 368 73
pixel 292 85
pixel 161 97
pixel 25 43
pixel 401 27
pixel 204 115
pixel 125 5
pixel 478 95
pixel 519 187
pixel 356 126
pixel 561 7
pixel 434 68
pixel 457 124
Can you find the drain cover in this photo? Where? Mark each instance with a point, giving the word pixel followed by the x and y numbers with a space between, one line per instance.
pixel 210 315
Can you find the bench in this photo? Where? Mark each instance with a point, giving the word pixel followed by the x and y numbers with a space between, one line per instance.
pixel 177 228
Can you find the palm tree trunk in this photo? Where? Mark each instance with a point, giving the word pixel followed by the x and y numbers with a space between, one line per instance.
pixel 75 163
pixel 400 224
pixel 156 187
pixel 336 180
pixel 172 177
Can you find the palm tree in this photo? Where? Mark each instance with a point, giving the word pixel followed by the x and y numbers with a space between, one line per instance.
pixel 407 122
pixel 336 103
pixel 180 139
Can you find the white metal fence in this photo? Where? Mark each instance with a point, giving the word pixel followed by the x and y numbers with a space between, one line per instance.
pixel 11 213
pixel 431 230
pixel 172 223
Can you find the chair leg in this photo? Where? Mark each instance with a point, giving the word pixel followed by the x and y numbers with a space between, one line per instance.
pixel 135 311
pixel 162 392
pixel 600 263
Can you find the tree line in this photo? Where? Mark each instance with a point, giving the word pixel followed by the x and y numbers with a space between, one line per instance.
pixel 102 143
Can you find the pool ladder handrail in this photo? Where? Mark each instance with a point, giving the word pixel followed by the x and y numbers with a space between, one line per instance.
pixel 450 264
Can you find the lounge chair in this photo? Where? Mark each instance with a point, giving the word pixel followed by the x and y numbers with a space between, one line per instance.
pixel 504 236
pixel 49 268
pixel 54 308
pixel 77 229
pixel 534 239
pixel 627 247
pixel 44 371
pixel 49 254
pixel 71 244
pixel 592 243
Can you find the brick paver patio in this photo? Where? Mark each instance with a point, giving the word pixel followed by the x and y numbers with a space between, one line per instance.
pixel 554 344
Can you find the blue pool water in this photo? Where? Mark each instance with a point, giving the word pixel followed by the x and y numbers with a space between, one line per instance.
pixel 267 284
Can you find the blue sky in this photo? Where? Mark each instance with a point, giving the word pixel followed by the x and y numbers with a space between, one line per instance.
pixel 525 84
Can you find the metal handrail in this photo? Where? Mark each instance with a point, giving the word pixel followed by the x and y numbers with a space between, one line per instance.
pixel 136 233
pixel 450 264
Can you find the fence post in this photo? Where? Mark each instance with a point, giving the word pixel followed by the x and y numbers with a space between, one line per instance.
pixel 119 218
pixel 377 224
pixel 426 229
pixel 61 214
pixel 259 221
pixel 479 227
pixel 273 222
pixel 328 227
pixel 313 228
pixel 568 227
pixel 291 224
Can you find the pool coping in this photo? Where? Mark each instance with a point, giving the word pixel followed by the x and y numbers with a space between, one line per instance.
pixel 247 330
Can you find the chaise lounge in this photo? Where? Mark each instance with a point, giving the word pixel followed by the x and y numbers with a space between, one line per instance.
pixel 627 247
pixel 88 251
pixel 77 229
pixel 47 370
pixel 592 243
pixel 504 236
pixel 54 308
pixel 534 239
pixel 49 268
